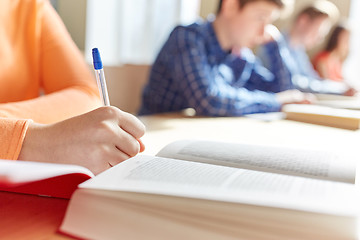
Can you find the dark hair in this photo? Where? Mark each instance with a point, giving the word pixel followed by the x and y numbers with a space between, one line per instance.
pixel 334 37
pixel 320 8
pixel 242 3
pixel 312 13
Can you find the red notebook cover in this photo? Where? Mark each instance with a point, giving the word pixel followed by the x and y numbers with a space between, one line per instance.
pixel 53 180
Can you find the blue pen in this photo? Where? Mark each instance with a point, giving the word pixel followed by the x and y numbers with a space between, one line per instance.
pixel 100 77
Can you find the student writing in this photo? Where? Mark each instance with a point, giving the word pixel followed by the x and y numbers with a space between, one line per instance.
pixel 47 91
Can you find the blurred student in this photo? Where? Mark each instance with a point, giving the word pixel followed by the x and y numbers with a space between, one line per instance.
pixel 46 89
pixel 286 55
pixel 328 63
pixel 196 68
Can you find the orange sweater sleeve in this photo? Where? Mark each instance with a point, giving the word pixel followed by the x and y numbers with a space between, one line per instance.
pixel 44 77
pixel 12 134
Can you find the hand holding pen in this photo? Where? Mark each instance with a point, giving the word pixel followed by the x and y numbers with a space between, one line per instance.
pixel 96 140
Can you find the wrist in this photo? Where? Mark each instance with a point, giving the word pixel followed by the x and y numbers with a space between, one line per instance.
pixel 33 143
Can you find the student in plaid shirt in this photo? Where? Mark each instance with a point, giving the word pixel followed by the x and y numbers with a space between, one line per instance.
pixel 208 66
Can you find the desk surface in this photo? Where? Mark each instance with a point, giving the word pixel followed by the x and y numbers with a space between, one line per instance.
pixel 163 129
pixel 33 217
pixel 30 217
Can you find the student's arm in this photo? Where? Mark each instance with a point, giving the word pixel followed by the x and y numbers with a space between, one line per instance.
pixel 279 59
pixel 269 54
pixel 259 77
pixel 321 67
pixel 210 93
pixel 66 79
pixel 96 140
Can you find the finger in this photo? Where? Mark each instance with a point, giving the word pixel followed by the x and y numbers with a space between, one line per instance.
pixel 132 125
pixel 142 145
pixel 126 121
pixel 118 157
pixel 310 96
pixel 127 143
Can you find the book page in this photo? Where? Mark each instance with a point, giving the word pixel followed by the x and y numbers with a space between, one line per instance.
pixel 344 104
pixel 172 177
pixel 335 97
pixel 291 161
pixel 338 101
pixel 322 110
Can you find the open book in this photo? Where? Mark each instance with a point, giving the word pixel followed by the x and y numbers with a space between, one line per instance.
pixel 216 190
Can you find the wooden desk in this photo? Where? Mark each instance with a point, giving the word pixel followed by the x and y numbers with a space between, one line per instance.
pixel 163 129
pixel 30 217
pixel 33 217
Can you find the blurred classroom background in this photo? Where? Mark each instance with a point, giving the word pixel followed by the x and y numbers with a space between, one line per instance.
pixel 130 33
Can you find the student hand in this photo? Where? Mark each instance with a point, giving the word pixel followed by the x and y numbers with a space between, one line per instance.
pixel 96 140
pixel 294 96
pixel 351 92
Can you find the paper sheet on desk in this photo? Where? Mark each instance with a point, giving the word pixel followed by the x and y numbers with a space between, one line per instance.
pixel 267 117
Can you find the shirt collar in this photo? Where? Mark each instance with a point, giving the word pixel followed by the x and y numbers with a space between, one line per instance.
pixel 214 45
pixel 286 35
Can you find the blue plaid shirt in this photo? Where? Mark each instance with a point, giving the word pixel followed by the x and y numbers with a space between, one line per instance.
pixel 292 68
pixel 193 71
